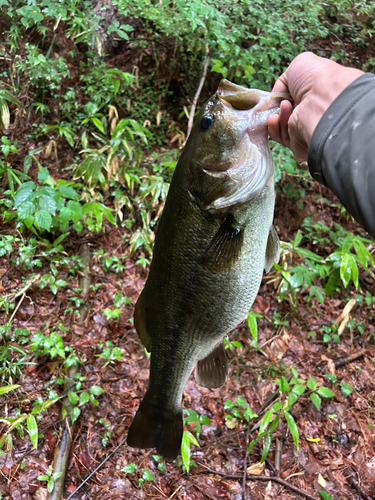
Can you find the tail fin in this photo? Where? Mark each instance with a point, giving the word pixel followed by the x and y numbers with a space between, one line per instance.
pixel 153 427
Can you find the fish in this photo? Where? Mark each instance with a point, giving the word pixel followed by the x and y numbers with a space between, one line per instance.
pixel 215 237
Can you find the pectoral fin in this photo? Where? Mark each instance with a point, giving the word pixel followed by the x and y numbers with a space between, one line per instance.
pixel 225 247
pixel 272 250
pixel 140 323
pixel 212 371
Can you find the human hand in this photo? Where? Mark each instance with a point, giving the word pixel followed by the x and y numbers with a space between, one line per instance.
pixel 314 83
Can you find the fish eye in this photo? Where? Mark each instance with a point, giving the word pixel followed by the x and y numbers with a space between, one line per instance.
pixel 207 121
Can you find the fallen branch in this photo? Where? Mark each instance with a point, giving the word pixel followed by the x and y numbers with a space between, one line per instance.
pixel 28 285
pixel 198 92
pixel 349 359
pixel 252 477
pixel 63 447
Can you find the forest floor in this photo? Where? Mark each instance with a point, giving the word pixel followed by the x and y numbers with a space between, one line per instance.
pixel 337 442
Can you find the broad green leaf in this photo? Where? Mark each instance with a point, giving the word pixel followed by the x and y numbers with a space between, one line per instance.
pixel 84 398
pixel 311 384
pixel 43 174
pixel 73 397
pixel 277 406
pixel 50 485
pixel 315 400
pixel 333 282
pixel 32 427
pixel 26 209
pixel 292 398
pixel 283 385
pixel 68 192
pixel 325 495
pixel 76 210
pixel 325 392
pixel 298 389
pixel 293 428
pixel 346 389
pixel 129 469
pixel 61 283
pixel 75 413
pixel 48 204
pixel 43 219
pixel 204 420
pixel 24 193
pixel 147 475
pixel 96 390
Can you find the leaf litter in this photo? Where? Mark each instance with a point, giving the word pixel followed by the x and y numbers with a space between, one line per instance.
pixel 336 450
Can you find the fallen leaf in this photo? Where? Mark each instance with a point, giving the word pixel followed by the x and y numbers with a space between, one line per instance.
pixel 321 481
pixel 256 468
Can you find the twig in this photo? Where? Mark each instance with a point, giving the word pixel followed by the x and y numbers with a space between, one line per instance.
pixel 18 305
pixel 25 288
pixel 349 359
pixel 278 453
pixel 64 445
pixel 98 468
pixel 176 491
pixel 252 477
pixel 245 496
pixel 351 477
pixel 198 92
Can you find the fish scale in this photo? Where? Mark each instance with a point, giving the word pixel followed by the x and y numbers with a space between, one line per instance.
pixel 213 241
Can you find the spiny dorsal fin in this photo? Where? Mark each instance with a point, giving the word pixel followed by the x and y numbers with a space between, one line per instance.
pixel 272 250
pixel 225 247
pixel 212 371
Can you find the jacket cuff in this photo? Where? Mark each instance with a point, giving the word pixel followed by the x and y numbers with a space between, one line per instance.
pixel 337 112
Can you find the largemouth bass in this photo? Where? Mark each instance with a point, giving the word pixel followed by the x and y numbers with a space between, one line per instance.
pixel 214 239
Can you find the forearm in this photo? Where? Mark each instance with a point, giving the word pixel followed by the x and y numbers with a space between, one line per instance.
pixel 341 154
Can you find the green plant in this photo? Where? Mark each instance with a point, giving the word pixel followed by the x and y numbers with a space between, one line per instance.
pixel 290 391
pixel 51 345
pixel 110 354
pixel 52 206
pixel 107 434
pixel 146 474
pixel 50 477
pixel 14 177
pixel 237 411
pixel 18 423
pixel 78 400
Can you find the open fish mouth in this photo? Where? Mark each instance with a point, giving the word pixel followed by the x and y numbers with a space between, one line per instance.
pixel 244 99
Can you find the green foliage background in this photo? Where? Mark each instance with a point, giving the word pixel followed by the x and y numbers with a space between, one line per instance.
pixel 102 96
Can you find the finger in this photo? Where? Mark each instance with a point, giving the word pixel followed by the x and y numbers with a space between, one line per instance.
pixel 273 123
pixel 286 110
pixel 281 84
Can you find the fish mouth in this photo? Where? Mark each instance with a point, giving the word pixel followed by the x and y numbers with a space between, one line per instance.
pixel 244 99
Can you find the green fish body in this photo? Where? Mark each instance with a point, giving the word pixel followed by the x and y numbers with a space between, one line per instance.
pixel 214 239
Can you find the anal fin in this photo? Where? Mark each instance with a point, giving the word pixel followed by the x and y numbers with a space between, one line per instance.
pixel 212 371
pixel 272 250
pixel 140 323
pixel 225 247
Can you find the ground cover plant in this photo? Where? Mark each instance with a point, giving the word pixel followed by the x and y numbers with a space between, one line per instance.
pixel 94 108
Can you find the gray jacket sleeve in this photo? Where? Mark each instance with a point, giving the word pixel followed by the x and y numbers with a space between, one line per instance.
pixel 342 150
